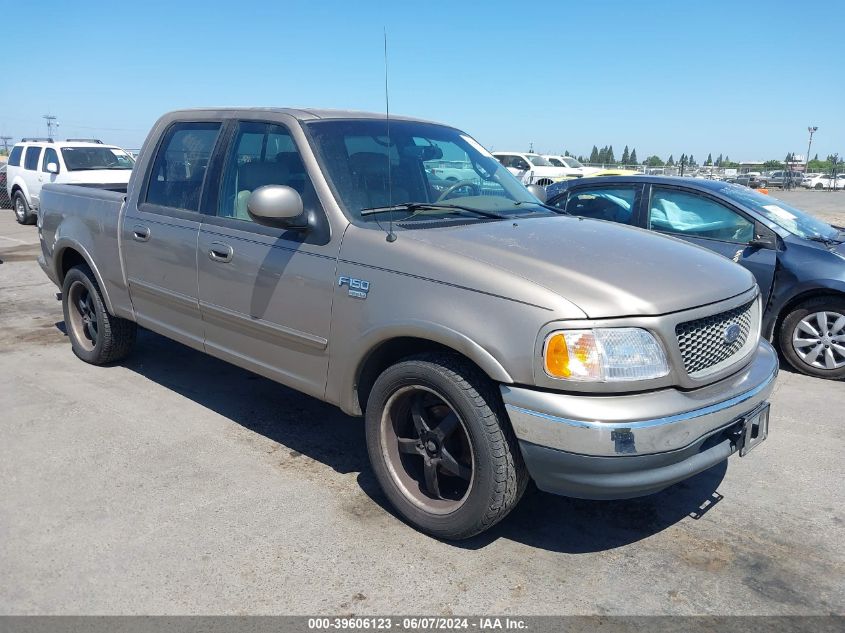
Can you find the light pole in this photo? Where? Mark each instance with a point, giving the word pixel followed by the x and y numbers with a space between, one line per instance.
pixel 811 129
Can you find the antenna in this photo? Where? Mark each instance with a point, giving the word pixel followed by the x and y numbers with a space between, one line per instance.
pixel 51 123
pixel 391 236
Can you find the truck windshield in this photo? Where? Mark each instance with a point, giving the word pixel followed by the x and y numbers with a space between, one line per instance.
pixel 87 158
pixel 417 164
pixel 572 162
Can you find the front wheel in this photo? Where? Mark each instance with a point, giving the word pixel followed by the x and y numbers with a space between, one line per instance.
pixel 812 337
pixel 96 336
pixel 441 446
pixel 23 214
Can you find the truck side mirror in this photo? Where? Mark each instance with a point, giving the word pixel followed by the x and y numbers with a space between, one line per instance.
pixel 538 192
pixel 53 168
pixel 276 205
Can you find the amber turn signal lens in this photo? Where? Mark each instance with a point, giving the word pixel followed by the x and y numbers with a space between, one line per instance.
pixel 557 357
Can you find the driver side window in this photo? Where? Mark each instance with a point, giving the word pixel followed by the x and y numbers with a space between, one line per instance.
pixel 262 154
pixel 689 214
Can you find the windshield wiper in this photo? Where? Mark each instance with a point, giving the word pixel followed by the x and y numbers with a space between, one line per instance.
pixel 431 206
pixel 827 241
pixel 542 204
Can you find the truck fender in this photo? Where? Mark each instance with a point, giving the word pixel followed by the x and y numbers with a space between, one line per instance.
pixel 65 243
pixel 345 392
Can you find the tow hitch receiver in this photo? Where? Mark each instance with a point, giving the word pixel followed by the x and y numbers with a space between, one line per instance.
pixel 755 429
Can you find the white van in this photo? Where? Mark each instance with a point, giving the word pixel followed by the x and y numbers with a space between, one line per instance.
pixel 34 162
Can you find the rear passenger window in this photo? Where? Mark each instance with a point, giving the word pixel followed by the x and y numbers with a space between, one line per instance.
pixel 615 204
pixel 30 157
pixel 262 154
pixel 180 165
pixel 15 156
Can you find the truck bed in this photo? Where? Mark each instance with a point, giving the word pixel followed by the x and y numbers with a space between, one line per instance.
pixel 88 216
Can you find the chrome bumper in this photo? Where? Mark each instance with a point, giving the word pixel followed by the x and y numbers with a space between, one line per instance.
pixel 639 424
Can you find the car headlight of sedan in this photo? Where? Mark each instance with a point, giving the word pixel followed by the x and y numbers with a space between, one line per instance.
pixel 604 355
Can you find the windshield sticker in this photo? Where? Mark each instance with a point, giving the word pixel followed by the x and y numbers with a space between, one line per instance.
pixel 476 146
pixel 780 212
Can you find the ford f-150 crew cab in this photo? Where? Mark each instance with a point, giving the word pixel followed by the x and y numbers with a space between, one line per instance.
pixel 485 339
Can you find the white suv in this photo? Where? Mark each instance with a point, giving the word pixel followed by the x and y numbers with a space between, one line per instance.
pixel 35 162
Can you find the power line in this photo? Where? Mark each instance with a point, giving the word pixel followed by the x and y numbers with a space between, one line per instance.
pixel 5 140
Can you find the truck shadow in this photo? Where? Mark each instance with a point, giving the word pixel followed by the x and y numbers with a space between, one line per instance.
pixel 306 426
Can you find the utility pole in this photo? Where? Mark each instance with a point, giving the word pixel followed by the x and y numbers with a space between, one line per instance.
pixel 812 130
pixel 51 123
pixel 5 140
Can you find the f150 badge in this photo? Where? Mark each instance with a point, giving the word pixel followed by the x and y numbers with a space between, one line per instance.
pixel 358 288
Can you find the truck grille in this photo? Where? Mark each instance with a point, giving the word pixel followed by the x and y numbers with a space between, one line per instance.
pixel 702 341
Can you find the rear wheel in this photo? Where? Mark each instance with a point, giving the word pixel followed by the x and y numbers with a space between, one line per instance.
pixel 96 336
pixel 819 185
pixel 23 214
pixel 812 337
pixel 441 446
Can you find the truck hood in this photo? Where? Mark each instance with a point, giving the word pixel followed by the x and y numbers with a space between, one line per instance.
pixel 606 269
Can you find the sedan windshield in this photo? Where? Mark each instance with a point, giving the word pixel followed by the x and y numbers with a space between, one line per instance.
pixel 420 171
pixel 571 162
pixel 88 158
pixel 785 216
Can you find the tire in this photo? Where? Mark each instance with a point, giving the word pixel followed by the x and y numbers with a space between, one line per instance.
pixel 450 393
pixel 96 336
pixel 801 337
pixel 23 213
pixel 819 186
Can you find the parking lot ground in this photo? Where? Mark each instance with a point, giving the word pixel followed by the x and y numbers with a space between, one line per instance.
pixel 173 483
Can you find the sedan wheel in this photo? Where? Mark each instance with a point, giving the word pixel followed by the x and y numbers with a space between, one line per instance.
pixel 812 337
pixel 819 340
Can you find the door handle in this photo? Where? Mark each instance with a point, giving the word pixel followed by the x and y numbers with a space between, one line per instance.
pixel 140 233
pixel 220 252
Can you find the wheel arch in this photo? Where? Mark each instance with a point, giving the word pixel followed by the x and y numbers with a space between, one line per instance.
pixel 69 254
pixel 392 345
pixel 836 289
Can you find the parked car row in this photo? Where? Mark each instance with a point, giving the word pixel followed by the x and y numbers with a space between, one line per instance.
pixel 487 337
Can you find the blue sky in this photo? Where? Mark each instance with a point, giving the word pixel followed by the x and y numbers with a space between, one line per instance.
pixel 743 79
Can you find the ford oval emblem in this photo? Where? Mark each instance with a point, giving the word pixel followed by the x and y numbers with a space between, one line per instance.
pixel 731 333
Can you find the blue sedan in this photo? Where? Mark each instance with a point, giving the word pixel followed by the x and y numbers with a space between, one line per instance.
pixel 798 260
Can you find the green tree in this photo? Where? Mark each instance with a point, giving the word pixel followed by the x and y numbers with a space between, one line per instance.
pixel 654 161
pixel 719 161
pixel 771 165
pixel 626 156
pixel 671 161
pixel 691 160
pixel 594 155
pixel 633 157
pixel 709 161
pixel 611 159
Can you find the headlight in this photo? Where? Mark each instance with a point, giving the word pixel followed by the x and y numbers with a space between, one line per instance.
pixel 604 355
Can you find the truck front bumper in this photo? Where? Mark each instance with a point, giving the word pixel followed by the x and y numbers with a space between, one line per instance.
pixel 616 447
